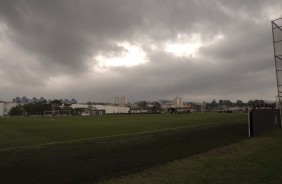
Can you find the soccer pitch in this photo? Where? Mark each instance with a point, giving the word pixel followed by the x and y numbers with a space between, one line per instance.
pixel 28 132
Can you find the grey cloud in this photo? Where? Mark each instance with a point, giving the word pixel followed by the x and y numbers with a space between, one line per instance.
pixel 65 32
pixel 62 35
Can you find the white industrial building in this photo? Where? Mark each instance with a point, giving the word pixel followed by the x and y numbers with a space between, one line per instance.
pixel 5 108
pixel 109 109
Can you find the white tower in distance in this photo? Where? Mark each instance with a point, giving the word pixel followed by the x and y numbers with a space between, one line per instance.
pixel 122 101
pixel 117 101
pixel 178 101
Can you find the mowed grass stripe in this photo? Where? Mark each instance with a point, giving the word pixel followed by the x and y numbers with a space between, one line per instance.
pixel 36 132
pixel 116 136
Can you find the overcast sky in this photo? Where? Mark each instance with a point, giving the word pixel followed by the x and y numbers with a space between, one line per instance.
pixel 96 50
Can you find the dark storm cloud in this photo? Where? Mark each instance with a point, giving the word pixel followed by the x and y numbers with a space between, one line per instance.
pixel 62 33
pixel 58 40
pixel 65 32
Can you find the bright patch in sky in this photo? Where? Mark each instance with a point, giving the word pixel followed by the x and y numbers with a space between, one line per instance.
pixel 272 12
pixel 184 45
pixel 131 56
pixel 183 49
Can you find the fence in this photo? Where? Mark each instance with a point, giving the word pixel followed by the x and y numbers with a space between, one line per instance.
pixel 263 120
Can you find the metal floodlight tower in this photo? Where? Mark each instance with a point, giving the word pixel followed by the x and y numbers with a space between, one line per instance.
pixel 277 46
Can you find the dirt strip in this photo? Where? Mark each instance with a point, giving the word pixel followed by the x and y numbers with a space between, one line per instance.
pixel 90 162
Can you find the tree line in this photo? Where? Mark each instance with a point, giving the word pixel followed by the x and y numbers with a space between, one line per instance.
pixel 39 108
pixel 237 103
pixel 154 107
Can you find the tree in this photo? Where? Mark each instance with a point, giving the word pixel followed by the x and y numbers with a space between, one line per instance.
pixel 28 109
pixel 214 103
pixel 156 108
pixel 228 103
pixel 250 102
pixel 221 102
pixel 239 103
pixel 56 103
pixel 259 102
pixel 77 111
pixel 143 105
pixel 89 107
pixel 208 107
pixel 196 107
pixel 16 111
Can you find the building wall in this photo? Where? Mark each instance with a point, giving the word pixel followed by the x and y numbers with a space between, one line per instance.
pixel 5 107
pixel 1 109
pixel 79 106
pixel 109 109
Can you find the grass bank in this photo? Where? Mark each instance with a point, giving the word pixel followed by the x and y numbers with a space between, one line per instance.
pixel 256 160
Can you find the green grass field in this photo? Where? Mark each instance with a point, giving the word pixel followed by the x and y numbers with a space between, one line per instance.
pixel 97 148
pixel 24 131
pixel 224 158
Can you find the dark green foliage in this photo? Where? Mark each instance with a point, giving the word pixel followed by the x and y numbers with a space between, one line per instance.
pixel 156 108
pixel 17 111
pixel 143 105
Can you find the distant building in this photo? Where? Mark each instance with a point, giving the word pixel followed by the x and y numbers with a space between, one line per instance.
pixel 68 101
pixel 73 101
pixel 121 101
pixel 33 100
pixel 117 100
pixel 42 99
pixel 108 109
pixel 178 101
pixel 16 100
pixel 24 100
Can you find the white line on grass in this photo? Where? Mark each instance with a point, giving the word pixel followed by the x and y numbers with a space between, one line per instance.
pixel 110 136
